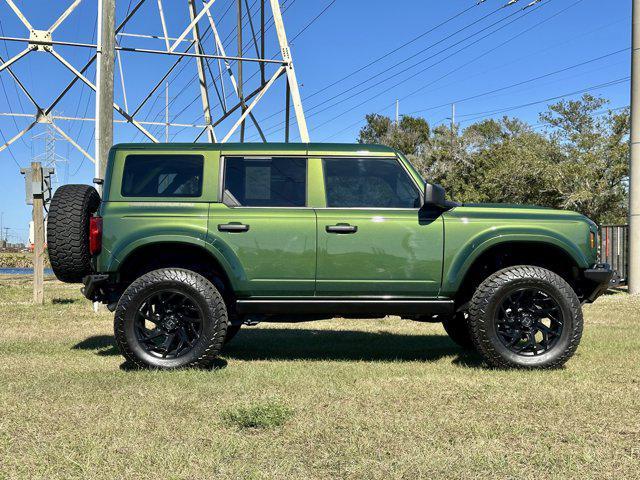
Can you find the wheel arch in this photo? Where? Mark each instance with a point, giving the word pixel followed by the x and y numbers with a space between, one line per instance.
pixel 178 253
pixel 492 256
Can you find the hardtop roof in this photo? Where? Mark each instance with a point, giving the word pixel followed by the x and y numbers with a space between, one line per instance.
pixel 267 148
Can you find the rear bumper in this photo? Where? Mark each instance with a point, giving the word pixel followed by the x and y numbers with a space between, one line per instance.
pixel 599 278
pixel 96 287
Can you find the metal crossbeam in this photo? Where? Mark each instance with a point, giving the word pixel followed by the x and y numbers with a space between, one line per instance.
pixel 42 41
pixel 20 15
pixel 194 20
pixel 64 16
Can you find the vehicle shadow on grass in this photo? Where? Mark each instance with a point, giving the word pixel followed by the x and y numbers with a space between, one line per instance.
pixel 305 344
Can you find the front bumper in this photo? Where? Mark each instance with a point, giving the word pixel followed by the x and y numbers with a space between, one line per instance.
pixel 599 279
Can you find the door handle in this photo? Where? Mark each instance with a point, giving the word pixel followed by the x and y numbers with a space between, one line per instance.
pixel 341 228
pixel 233 227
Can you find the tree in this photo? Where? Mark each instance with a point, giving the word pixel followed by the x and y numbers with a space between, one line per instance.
pixel 578 162
pixel 593 171
pixel 409 136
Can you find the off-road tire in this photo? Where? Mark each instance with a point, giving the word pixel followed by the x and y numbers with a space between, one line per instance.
pixel 487 298
pixel 458 330
pixel 215 319
pixel 68 231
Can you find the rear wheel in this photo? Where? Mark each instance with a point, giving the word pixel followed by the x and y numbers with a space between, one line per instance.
pixel 525 317
pixel 171 318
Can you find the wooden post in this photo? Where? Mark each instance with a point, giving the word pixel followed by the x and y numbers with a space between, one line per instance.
pixel 105 66
pixel 38 237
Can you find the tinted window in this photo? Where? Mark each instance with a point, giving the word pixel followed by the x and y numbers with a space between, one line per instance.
pixel 269 182
pixel 364 182
pixel 162 176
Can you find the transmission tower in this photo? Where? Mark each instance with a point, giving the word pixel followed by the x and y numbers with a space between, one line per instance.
pixel 45 144
pixel 237 52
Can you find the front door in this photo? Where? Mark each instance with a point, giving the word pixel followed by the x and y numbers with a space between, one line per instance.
pixel 265 227
pixel 373 239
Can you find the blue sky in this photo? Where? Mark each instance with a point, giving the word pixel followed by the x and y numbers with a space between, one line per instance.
pixel 480 49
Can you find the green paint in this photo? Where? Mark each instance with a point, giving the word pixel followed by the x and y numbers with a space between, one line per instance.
pixel 287 251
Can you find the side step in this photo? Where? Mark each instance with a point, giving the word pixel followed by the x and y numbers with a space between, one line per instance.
pixel 335 306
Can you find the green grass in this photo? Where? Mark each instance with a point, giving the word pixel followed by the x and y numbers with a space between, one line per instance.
pixel 262 415
pixel 350 399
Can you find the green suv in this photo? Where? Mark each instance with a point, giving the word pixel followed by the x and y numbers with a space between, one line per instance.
pixel 191 241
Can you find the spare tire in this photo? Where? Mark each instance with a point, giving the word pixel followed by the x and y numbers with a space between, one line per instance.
pixel 68 231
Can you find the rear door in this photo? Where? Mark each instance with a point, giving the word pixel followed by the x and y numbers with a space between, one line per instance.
pixel 373 239
pixel 264 225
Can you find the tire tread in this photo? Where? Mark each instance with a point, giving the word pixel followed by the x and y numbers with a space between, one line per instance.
pixel 192 279
pixel 491 285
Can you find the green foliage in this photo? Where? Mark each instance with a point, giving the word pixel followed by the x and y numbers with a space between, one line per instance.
pixel 579 161
pixel 262 415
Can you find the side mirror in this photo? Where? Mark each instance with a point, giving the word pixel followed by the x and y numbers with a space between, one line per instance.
pixel 434 196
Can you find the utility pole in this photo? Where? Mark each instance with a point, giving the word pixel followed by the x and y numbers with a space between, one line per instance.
pixel 397 112
pixel 634 173
pixel 38 236
pixel 104 84
pixel 453 127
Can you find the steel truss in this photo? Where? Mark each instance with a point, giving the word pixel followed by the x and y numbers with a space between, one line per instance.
pixel 244 103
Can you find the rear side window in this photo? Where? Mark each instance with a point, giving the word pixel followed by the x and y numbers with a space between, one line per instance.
pixel 266 182
pixel 162 176
pixel 369 183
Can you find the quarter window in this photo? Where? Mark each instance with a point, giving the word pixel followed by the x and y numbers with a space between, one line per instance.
pixel 162 176
pixel 266 182
pixel 369 183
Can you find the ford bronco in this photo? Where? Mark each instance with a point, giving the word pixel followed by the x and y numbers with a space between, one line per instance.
pixel 191 241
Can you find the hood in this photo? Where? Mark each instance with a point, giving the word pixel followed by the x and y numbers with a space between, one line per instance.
pixel 506 205
pixel 514 211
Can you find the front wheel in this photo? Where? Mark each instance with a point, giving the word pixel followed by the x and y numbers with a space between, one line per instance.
pixel 525 317
pixel 171 318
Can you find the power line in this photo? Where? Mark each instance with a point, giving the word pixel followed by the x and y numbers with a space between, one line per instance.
pixel 524 57
pixel 386 90
pixel 478 115
pixel 410 57
pixel 460 67
pixel 407 43
pixel 312 21
pixel 523 82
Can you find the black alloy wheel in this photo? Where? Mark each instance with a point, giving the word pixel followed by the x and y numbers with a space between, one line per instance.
pixel 525 316
pixel 171 318
pixel 529 321
pixel 168 324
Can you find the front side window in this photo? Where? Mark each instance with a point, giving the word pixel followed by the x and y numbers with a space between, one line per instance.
pixel 368 183
pixel 162 176
pixel 266 182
